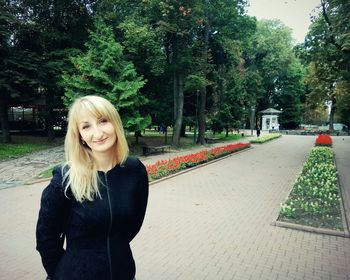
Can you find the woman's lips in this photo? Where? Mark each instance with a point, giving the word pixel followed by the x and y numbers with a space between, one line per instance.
pixel 100 141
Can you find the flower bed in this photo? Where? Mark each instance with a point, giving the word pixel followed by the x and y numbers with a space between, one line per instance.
pixel 314 199
pixel 265 138
pixel 163 168
pixel 323 140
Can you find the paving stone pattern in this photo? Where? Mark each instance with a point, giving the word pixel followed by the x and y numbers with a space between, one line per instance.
pixel 22 170
pixel 210 223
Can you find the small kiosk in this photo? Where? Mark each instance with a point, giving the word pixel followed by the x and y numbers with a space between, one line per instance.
pixel 270 119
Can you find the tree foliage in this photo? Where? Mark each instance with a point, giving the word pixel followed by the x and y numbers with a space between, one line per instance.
pixel 157 57
pixel 326 51
pixel 275 74
pixel 103 70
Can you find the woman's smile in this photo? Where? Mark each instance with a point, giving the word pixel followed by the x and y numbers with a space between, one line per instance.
pixel 102 141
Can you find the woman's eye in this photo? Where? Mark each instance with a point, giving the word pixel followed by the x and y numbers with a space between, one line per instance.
pixel 85 126
pixel 103 120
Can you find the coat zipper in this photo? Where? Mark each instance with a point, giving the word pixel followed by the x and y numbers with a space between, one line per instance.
pixel 109 230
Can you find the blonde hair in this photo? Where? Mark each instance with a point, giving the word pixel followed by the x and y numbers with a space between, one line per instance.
pixel 82 175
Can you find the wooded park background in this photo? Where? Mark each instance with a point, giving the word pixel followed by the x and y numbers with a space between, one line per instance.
pixel 172 63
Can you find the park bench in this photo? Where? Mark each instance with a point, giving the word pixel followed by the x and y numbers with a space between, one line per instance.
pixel 146 150
pixel 210 139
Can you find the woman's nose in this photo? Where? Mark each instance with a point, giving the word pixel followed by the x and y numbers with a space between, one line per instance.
pixel 98 133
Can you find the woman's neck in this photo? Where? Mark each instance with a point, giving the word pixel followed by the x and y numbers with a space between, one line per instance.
pixel 105 162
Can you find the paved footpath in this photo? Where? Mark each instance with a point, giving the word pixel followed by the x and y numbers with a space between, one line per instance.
pixel 210 223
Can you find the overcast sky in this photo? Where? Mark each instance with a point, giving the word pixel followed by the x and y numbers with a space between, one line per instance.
pixel 293 13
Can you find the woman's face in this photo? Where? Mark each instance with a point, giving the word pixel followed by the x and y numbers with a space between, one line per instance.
pixel 98 133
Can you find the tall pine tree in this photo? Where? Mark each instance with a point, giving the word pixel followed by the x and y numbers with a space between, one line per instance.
pixel 103 70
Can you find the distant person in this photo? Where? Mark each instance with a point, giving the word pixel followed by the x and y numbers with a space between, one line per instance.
pixel 257 131
pixel 97 199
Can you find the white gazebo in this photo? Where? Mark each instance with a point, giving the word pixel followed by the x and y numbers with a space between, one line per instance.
pixel 270 119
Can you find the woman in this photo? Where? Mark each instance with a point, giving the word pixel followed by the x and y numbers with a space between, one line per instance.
pixel 97 199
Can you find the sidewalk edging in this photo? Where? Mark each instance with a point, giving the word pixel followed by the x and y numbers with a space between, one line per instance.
pixel 38 181
pixel 344 233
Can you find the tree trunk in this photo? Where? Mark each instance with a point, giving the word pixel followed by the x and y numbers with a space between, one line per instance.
pixel 179 113
pixel 166 135
pixel 5 128
pixel 49 118
pixel 201 116
pixel 332 113
pixel 203 91
pixel 183 130
pixel 176 93
pixel 137 135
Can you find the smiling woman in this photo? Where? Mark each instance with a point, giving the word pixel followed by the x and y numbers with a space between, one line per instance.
pixel 97 199
pixel 98 133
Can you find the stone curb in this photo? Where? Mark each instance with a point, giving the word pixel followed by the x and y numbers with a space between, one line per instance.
pixel 344 233
pixel 196 167
pixel 36 181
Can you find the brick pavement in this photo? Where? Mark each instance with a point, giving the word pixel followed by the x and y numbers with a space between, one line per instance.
pixel 211 223
pixel 342 157
pixel 214 223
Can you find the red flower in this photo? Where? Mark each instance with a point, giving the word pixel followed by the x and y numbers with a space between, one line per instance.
pixel 165 167
pixel 323 140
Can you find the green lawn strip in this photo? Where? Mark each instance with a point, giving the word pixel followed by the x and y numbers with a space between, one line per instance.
pixel 230 137
pixel 315 197
pixel 22 145
pixel 46 173
pixel 8 151
pixel 265 138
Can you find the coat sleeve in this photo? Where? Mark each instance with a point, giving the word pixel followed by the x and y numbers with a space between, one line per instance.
pixel 53 216
pixel 141 201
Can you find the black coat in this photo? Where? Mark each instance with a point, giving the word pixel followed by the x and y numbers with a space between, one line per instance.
pixel 97 232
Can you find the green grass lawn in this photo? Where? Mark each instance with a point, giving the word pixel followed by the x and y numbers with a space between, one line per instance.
pixel 24 144
pixel 230 137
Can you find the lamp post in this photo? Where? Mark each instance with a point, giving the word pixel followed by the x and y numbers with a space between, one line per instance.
pixel 252 117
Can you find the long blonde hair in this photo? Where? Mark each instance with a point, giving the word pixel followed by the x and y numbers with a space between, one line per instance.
pixel 81 176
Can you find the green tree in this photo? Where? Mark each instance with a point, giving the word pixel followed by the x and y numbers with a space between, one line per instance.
pixel 53 31
pixel 277 73
pixel 103 70
pixel 325 66
pixel 18 67
pixel 174 22
pixel 326 51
